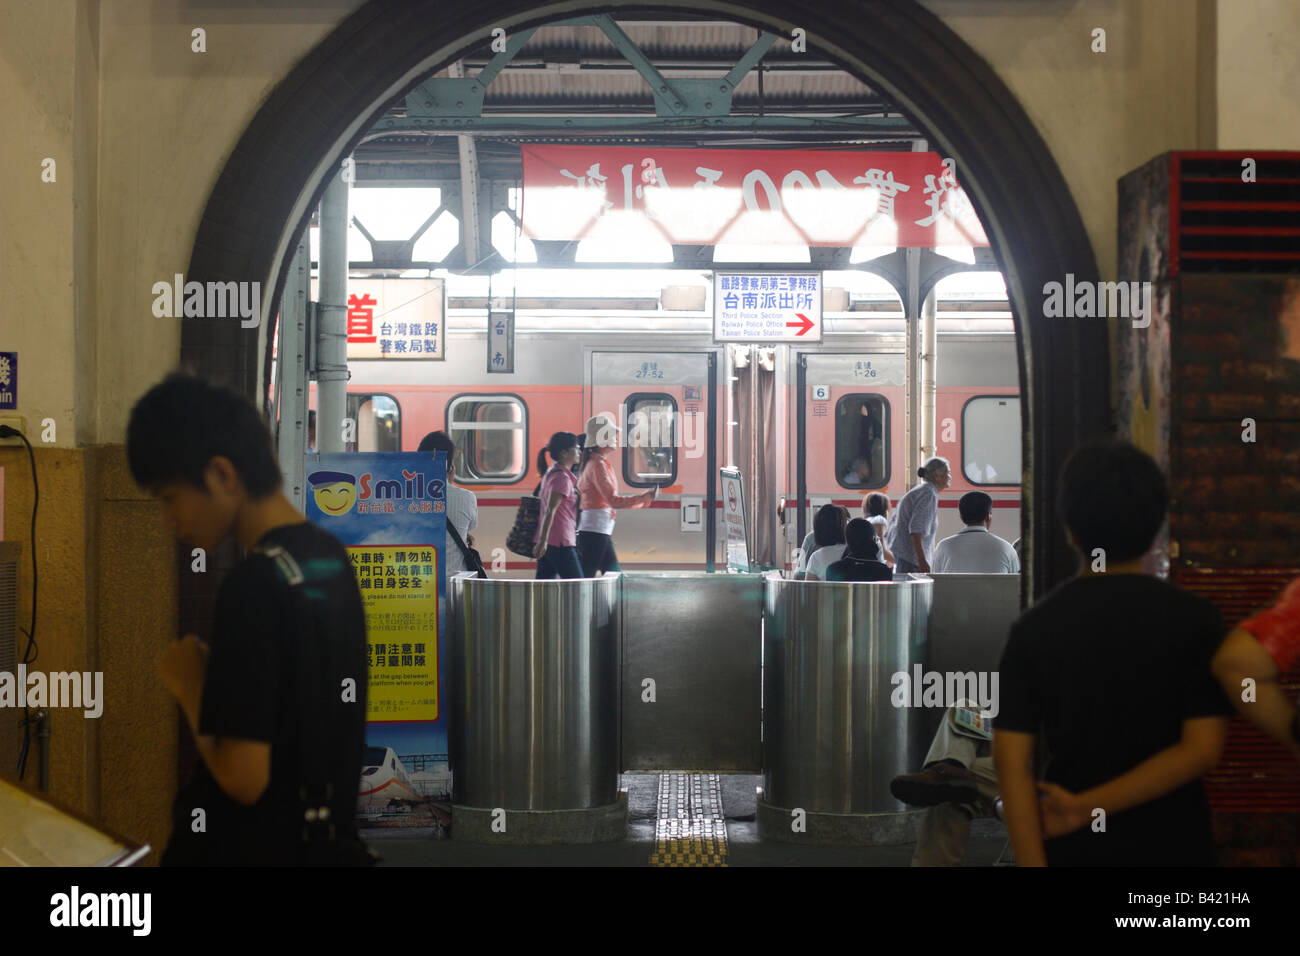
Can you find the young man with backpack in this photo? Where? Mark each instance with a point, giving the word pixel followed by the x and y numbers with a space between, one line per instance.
pixel 276 700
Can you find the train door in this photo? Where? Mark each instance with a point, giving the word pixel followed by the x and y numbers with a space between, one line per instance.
pixel 665 404
pixel 849 436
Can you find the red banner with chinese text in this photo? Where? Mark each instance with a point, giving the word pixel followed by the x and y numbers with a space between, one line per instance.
pixel 745 197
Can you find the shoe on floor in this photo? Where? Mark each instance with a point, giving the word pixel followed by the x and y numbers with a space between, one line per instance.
pixel 938 783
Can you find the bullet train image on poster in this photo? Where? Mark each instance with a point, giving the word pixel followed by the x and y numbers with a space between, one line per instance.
pixel 384 782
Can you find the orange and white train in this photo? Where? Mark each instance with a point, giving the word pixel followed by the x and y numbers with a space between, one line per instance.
pixel 686 405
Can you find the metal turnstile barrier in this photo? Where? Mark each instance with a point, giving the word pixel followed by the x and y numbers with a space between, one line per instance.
pixel 970 619
pixel 533 737
pixel 692 659
pixel 832 737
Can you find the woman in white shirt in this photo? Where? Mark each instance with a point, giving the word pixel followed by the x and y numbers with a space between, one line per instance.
pixel 828 534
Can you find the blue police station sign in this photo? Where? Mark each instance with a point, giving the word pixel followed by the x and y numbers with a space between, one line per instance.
pixel 767 307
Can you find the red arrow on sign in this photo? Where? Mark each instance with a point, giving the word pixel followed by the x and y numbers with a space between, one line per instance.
pixel 806 325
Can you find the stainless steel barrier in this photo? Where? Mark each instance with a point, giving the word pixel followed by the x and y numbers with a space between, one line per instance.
pixel 970 619
pixel 534 691
pixel 692 659
pixel 832 737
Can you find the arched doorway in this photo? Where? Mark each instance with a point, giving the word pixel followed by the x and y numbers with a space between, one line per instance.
pixel 318 113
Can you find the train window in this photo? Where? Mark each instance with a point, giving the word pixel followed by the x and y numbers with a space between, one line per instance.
pixel 990 440
pixel 862 441
pixel 650 439
pixel 491 435
pixel 378 423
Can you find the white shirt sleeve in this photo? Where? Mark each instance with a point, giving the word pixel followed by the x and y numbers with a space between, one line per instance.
pixel 805 549
pixel 939 559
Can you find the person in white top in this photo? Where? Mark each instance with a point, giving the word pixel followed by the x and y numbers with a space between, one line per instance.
pixel 875 508
pixel 975 550
pixel 462 506
pixel 828 532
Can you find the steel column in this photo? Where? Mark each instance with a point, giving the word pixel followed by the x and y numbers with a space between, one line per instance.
pixel 331 333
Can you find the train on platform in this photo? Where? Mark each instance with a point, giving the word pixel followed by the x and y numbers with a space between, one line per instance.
pixel 805 423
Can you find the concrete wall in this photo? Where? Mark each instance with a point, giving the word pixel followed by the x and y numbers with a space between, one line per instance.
pixel 1258 74
pixel 1101 114
pixel 140 126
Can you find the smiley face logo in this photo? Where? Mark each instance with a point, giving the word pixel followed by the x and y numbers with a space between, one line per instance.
pixel 335 491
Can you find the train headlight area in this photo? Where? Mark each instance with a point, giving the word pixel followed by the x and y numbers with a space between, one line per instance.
pixel 692 400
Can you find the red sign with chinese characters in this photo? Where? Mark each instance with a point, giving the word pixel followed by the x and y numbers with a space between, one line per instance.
pixel 745 197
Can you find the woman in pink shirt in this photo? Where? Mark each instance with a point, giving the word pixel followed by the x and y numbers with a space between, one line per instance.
pixel 600 497
pixel 556 549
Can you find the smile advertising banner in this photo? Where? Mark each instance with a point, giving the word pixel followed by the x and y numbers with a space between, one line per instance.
pixel 759 197
pixel 389 512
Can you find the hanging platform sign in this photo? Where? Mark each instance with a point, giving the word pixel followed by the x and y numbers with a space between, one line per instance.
pixel 733 519
pixel 764 307
pixel 395 318
pixel 501 342
pixel 746 197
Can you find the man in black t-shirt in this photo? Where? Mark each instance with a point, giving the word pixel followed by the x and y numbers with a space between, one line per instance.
pixel 1113 667
pixel 277 702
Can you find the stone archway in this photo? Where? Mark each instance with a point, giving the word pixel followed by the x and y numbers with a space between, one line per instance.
pixel 276 174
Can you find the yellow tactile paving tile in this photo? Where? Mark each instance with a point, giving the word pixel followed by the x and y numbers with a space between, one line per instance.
pixel 691 829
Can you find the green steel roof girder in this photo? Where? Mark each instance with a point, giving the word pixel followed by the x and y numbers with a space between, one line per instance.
pixel 750 59
pixel 441 97
pixel 498 62
pixel 507 125
pixel 669 95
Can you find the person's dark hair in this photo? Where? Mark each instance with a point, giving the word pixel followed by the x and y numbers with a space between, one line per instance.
pixel 861 537
pixel 183 422
pixel 828 525
pixel 438 441
pixel 875 505
pixel 1112 497
pixel 559 442
pixel 974 507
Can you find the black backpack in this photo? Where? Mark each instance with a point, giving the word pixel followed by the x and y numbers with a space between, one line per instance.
pixel 322 841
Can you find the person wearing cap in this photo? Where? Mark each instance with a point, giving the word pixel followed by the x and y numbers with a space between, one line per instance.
pixel 335 491
pixel 598 491
pixel 556 549
pixel 917 519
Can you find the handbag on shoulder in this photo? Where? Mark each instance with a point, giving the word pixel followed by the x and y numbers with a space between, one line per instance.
pixel 523 535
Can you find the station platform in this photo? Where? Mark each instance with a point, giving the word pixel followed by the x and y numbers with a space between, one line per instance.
pixel 678 819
